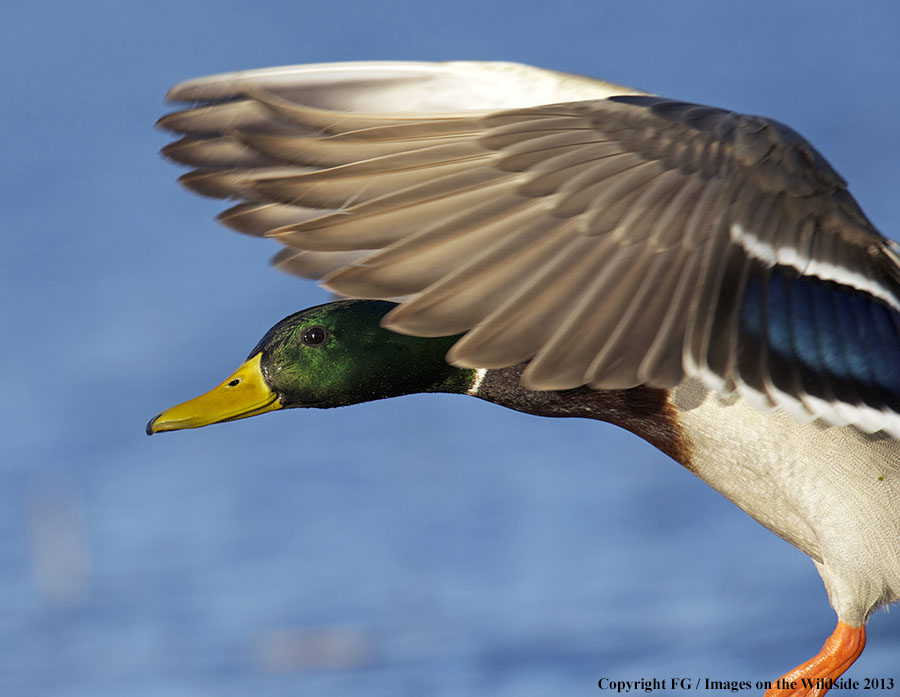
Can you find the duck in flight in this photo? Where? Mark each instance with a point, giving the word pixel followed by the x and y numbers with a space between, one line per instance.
pixel 564 246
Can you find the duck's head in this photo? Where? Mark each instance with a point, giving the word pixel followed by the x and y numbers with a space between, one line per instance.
pixel 326 356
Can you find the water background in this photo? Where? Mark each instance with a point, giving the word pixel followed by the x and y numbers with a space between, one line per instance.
pixel 419 546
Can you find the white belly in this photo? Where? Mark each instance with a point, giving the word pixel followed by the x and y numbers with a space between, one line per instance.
pixel 832 492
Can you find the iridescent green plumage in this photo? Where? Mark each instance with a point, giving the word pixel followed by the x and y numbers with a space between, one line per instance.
pixel 354 360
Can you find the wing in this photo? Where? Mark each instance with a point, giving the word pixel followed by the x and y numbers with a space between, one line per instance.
pixel 606 236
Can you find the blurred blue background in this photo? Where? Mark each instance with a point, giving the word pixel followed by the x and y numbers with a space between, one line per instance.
pixel 421 546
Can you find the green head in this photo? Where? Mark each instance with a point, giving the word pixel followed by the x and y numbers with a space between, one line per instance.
pixel 327 356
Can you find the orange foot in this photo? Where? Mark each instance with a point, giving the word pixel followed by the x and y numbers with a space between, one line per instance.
pixel 813 678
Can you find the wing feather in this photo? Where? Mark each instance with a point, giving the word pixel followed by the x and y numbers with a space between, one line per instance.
pixel 468 293
pixel 606 236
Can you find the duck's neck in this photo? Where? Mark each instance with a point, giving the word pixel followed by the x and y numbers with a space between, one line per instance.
pixel 644 411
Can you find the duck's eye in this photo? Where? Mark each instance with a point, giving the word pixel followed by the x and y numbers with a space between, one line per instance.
pixel 314 336
pixel 235 382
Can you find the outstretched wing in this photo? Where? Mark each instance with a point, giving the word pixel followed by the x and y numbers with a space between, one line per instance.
pixel 607 236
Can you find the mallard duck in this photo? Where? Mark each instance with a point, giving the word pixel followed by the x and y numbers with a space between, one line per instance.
pixel 569 247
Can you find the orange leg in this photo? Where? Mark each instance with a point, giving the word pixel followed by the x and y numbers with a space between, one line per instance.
pixel 840 650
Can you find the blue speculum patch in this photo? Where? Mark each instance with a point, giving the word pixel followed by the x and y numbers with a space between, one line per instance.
pixel 828 332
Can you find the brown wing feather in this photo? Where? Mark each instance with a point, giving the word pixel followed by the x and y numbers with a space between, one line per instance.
pixel 609 242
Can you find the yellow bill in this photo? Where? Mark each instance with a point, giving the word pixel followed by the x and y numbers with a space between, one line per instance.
pixel 243 393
